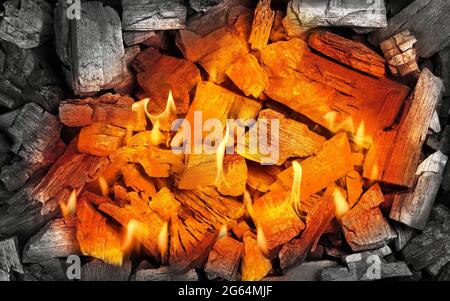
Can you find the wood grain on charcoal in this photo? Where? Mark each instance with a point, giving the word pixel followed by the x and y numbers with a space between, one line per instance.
pixel 262 25
pixel 97 270
pixel 225 258
pixel 9 258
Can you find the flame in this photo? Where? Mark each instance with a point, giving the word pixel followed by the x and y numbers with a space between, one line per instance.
pixel 163 240
pixel 220 155
pixel 71 206
pixel 348 125
pixel 261 241
pixel 360 138
pixel 162 121
pixel 223 231
pixel 248 203
pixel 296 184
pixel 134 228
pixel 341 204
pixel 103 184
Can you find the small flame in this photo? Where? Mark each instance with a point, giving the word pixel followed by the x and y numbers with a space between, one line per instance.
pixel 262 242
pixel 71 206
pixel 341 204
pixel 248 203
pixel 163 121
pixel 360 138
pixel 296 184
pixel 220 155
pixel 104 187
pixel 134 228
pixel 223 231
pixel 163 240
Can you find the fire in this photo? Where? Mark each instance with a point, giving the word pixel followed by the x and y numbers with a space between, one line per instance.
pixel 220 155
pixel 104 187
pixel 262 242
pixel 134 228
pixel 163 240
pixel 341 204
pixel 248 203
pixel 223 231
pixel 163 121
pixel 296 184
pixel 348 125
pixel 360 138
pixel 69 208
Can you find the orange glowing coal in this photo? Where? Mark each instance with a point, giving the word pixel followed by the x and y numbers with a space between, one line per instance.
pixel 220 155
pixel 348 125
pixel 69 208
pixel 248 203
pixel 104 187
pixel 223 231
pixel 340 202
pixel 166 117
pixel 296 184
pixel 163 240
pixel 262 242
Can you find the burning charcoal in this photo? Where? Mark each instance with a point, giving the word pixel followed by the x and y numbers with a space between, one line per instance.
pixel 303 15
pixel 97 270
pixel 294 139
pixel 275 217
pixel 137 180
pixel 98 236
pixel 333 162
pixel 91 47
pixel 404 235
pixel 25 76
pixel 364 226
pixel 100 139
pixel 394 155
pixel 414 208
pixel 216 41
pixel 400 54
pixel 348 52
pixel 145 15
pixel 165 274
pixel 26 23
pixel 113 109
pixel 154 38
pixel 262 25
pixel 50 270
pixel 430 250
pixel 9 259
pixel 35 135
pixel 33 206
pixel 354 185
pixel 129 82
pixel 366 266
pixel 317 221
pixel 254 265
pixel 248 75
pixel 56 239
pixel 225 258
pixel 431 36
pixel 307 271
pixel 297 79
pixel 159 74
pixel 258 178
pixel 443 68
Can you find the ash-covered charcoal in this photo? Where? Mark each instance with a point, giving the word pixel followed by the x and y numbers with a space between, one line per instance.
pixel 9 259
pixel 26 23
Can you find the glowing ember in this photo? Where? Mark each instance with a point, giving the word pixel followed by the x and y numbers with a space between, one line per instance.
pixel 220 155
pixel 360 138
pixel 295 192
pixel 163 240
pixel 348 125
pixel 104 188
pixel 262 242
pixel 248 203
pixel 69 208
pixel 340 202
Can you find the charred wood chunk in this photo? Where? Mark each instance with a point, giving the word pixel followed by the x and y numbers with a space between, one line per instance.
pixel 26 77
pixel 35 204
pixel 348 52
pixel 255 266
pixel 145 15
pixel 165 274
pixel 158 74
pixel 303 15
pixel 413 208
pixel 307 271
pixel 97 270
pixel 9 259
pixel 26 23
pixel 50 270
pixel 225 258
pixel 91 47
pixel 431 36
pixel 443 68
pixel 364 226
pixel 56 239
pixel 262 25
pixel 100 139
pixel 400 54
